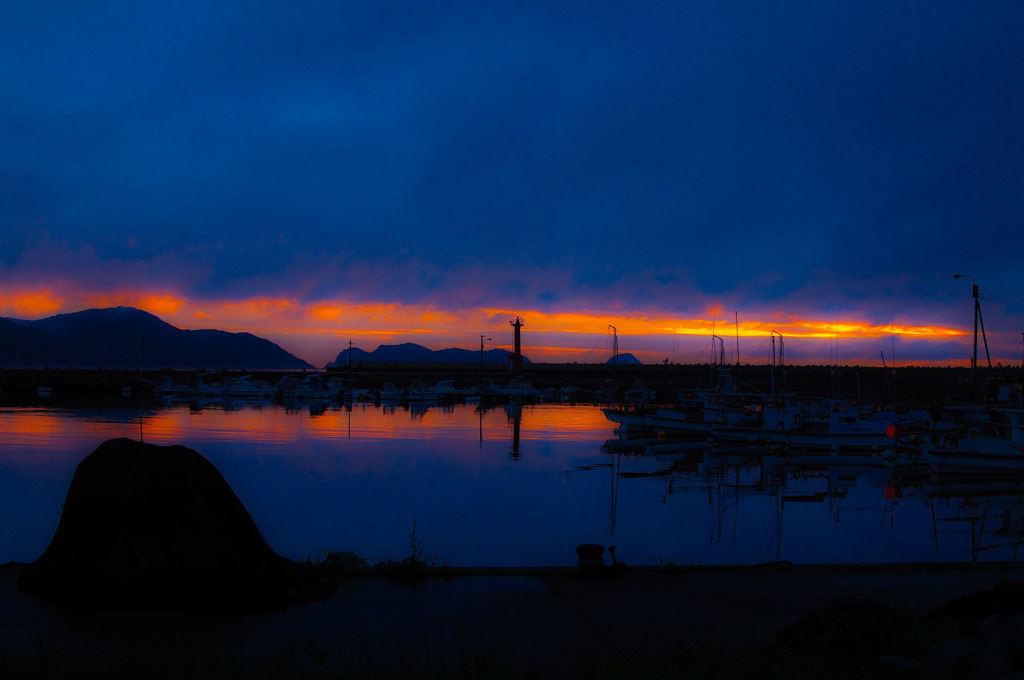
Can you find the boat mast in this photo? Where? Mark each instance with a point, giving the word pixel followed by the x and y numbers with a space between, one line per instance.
pixel 976 294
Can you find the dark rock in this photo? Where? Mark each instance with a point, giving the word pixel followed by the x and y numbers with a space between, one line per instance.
pixel 952 657
pixel 856 627
pixel 995 656
pixel 1017 640
pixel 901 664
pixel 970 610
pixel 148 527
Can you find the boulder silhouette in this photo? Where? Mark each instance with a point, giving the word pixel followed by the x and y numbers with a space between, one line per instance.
pixel 148 527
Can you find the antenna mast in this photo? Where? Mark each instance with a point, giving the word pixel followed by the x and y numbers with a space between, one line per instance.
pixel 720 361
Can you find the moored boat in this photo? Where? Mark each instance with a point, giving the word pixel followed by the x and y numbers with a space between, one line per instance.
pixel 994 443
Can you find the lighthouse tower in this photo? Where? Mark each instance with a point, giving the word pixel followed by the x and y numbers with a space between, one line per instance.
pixel 517 357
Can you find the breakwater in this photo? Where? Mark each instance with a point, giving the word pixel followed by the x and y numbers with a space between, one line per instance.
pixel 910 384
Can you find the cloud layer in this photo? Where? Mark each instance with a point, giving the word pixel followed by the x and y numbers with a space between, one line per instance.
pixel 835 165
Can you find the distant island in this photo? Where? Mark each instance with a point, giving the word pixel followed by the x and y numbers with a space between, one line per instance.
pixel 125 337
pixel 410 352
pixel 625 359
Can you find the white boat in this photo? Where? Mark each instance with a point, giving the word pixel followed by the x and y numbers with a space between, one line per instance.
pixel 248 387
pixel 566 394
pixel 515 388
pixel 973 456
pixel 388 392
pixel 420 391
pixel 312 386
pixel 831 424
pixel 995 444
pixel 631 423
pixel 697 413
pixel 639 394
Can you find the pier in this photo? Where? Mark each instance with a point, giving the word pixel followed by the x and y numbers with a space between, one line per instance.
pixel 902 385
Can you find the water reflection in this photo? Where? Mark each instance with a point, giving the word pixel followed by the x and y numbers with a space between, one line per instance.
pixel 968 518
pixel 515 485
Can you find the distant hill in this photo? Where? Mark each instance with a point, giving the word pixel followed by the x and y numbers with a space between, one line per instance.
pixel 625 359
pixel 115 338
pixel 410 352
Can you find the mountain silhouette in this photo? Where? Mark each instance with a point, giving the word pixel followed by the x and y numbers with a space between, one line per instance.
pixel 410 352
pixel 121 337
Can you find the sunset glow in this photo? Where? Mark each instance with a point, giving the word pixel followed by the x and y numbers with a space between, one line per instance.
pixel 29 304
pixel 324 327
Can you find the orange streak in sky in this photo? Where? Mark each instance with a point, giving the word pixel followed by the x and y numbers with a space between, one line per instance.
pixel 302 323
pixel 642 325
pixel 29 303
pixel 160 304
pixel 289 315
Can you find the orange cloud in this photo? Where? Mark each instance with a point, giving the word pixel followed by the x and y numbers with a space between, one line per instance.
pixel 160 304
pixel 642 325
pixel 325 312
pixel 257 308
pixel 29 303
pixel 300 325
pixel 288 315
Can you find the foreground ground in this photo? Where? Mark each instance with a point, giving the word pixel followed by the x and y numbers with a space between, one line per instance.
pixel 547 623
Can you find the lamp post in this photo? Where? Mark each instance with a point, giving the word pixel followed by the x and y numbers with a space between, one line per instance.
pixel 977 320
pixel 482 358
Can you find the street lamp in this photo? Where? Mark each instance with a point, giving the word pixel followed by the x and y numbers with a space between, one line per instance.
pixel 482 357
pixel 977 320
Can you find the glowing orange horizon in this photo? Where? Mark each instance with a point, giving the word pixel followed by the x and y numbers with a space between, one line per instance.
pixel 296 320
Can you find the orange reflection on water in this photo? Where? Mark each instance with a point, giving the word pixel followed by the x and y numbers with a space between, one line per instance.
pixel 368 422
pixel 28 422
pixel 36 439
pixel 180 425
pixel 32 424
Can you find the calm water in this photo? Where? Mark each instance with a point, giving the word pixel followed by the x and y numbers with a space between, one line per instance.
pixel 511 487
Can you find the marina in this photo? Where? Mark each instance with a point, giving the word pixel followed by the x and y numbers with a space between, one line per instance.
pixel 520 485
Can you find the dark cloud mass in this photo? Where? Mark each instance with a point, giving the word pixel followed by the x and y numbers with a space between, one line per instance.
pixel 819 159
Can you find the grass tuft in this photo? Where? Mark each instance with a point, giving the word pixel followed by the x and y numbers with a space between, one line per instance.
pixel 336 563
pixel 418 567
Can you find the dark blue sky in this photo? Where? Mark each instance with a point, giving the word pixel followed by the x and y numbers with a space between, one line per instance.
pixel 384 171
